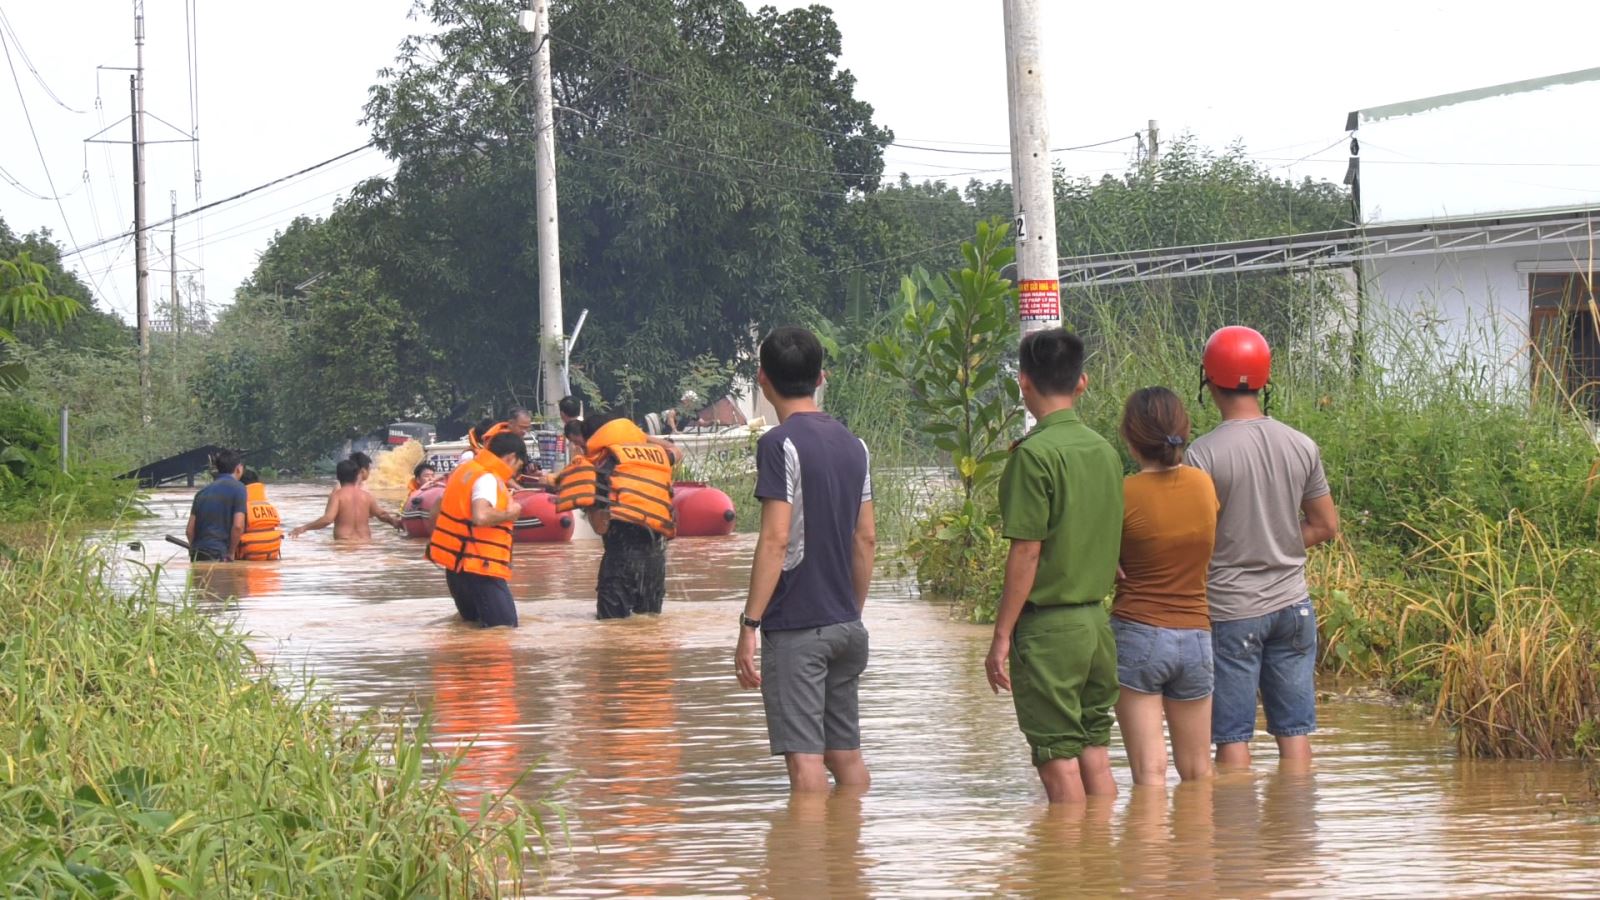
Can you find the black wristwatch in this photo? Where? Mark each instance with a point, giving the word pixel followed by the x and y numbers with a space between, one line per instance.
pixel 748 622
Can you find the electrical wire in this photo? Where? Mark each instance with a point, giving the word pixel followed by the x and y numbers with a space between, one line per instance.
pixel 22 52
pixel 212 205
pixel 755 162
pixel 49 179
pixel 888 259
pixel 594 54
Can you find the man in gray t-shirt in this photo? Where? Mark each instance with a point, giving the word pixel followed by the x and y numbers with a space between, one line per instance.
pixel 1275 504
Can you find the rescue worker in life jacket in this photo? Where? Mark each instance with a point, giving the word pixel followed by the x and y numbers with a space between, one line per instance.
pixel 472 532
pixel 262 538
pixel 623 482
pixel 518 422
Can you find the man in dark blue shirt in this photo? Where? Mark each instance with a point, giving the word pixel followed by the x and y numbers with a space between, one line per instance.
pixel 216 519
pixel 808 583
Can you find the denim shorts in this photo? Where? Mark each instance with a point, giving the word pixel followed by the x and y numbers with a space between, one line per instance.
pixel 1172 662
pixel 1275 656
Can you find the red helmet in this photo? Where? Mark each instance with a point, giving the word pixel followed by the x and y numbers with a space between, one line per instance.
pixel 1237 358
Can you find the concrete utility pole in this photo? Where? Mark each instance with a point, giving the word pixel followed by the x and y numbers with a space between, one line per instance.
pixel 172 262
pixel 1153 137
pixel 141 261
pixel 1032 188
pixel 536 21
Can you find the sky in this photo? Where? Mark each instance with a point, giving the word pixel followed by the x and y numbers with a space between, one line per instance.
pixel 281 86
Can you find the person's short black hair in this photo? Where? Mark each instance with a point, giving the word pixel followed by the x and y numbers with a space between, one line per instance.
pixel 226 461
pixel 361 460
pixel 594 424
pixel 1053 360
pixel 250 477
pixel 481 429
pixel 570 407
pixel 347 470
pixel 573 430
pixel 423 467
pixel 505 442
pixel 791 357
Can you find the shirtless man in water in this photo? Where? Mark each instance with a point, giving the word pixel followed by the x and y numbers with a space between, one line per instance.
pixel 349 507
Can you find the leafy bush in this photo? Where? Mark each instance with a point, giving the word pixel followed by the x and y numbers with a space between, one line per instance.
pixel 31 480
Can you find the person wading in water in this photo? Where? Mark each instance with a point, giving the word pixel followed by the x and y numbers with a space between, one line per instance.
pixel 349 507
pixel 812 569
pixel 1275 505
pixel 1052 625
pixel 472 532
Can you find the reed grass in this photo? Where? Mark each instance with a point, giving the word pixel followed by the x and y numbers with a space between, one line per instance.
pixel 144 752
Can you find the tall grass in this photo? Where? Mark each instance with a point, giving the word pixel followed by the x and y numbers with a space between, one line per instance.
pixel 143 751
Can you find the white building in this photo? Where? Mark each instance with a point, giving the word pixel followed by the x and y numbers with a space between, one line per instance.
pixel 1508 288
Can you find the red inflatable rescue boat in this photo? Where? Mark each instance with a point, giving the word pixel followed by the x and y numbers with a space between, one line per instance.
pixel 702 510
pixel 539 522
pixel 415 513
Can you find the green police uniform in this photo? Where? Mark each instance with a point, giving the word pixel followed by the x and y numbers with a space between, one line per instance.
pixel 1062 487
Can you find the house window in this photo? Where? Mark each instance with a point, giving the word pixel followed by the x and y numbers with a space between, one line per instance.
pixel 1564 323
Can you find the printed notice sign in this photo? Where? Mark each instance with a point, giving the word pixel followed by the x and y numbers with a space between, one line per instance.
pixel 1039 301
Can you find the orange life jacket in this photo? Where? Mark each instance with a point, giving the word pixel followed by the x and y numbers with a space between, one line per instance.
pixel 578 485
pixel 456 543
pixel 480 443
pixel 262 538
pixel 411 487
pixel 640 475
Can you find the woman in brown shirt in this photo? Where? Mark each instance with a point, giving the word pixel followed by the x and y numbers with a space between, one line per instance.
pixel 1160 617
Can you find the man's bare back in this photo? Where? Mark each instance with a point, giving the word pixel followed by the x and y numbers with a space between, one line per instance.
pixel 349 509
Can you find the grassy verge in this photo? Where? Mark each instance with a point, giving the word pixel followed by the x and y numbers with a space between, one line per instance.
pixel 144 752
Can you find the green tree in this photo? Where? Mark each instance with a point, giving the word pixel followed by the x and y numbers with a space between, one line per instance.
pixel 25 298
pixel 704 153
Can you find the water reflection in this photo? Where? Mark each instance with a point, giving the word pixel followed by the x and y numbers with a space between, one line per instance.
pixel 661 761
pixel 475 711
pixel 813 848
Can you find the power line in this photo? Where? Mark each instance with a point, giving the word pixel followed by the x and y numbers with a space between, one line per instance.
pixel 744 159
pixel 212 205
pixel 5 24
pixel 804 125
pixel 49 179
pixel 888 259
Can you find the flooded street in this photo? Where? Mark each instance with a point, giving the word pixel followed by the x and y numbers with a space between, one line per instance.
pixel 662 765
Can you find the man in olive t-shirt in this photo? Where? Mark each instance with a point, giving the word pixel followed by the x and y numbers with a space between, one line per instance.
pixel 1061 503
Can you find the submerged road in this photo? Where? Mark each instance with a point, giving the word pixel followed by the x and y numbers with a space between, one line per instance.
pixel 661 759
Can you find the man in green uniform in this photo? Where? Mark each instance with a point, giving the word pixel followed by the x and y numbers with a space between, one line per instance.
pixel 1061 502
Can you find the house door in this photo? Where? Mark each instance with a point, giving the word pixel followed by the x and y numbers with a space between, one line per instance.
pixel 1564 320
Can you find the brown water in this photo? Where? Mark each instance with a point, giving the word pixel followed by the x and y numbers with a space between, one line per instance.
pixel 671 791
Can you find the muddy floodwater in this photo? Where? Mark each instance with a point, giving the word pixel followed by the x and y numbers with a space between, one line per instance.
pixel 641 732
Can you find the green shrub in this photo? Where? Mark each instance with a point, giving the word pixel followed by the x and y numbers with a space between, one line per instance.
pixel 31 481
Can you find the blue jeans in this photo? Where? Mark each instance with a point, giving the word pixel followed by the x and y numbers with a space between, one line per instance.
pixel 1274 655
pixel 1173 662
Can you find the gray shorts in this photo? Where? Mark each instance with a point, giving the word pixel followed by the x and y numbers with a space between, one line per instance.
pixel 809 682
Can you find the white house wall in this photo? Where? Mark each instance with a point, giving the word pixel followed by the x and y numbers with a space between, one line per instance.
pixel 1442 309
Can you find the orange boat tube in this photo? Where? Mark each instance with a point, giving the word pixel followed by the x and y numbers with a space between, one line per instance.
pixel 702 510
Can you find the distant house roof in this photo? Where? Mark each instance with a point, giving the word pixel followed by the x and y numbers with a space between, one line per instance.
pixel 1343 247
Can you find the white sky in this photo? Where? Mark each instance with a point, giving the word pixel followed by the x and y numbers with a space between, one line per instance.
pixel 282 85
